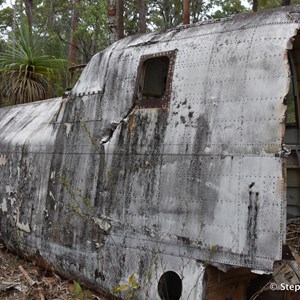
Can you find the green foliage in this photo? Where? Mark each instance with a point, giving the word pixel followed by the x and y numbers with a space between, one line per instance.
pixel 213 249
pixel 164 14
pixel 128 289
pixel 92 32
pixel 88 131
pixel 266 4
pixel 79 291
pixel 26 70
pixel 227 8
pixel 55 16
pixel 6 16
pixel 131 17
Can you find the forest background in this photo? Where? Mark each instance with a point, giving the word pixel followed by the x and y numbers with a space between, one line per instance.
pixel 45 44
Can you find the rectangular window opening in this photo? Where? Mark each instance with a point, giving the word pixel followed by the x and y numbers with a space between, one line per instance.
pixel 155 80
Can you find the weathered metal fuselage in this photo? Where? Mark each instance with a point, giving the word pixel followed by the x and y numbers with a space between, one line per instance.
pixel 117 179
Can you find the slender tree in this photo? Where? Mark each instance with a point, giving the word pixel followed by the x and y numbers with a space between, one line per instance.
pixel 142 16
pixel 120 26
pixel 286 2
pixel 112 22
pixel 167 13
pixel 14 25
pixel 72 57
pixel 255 5
pixel 29 9
pixel 186 11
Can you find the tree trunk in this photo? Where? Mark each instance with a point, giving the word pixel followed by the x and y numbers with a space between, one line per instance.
pixel 14 28
pixel 28 10
pixel 120 27
pixel 166 13
pixel 286 2
pixel 72 57
pixel 255 5
pixel 50 17
pixel 142 16
pixel 186 11
pixel 112 16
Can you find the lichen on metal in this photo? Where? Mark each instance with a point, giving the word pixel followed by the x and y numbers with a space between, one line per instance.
pixel 102 188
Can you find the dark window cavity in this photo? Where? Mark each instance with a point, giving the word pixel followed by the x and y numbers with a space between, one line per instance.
pixel 155 80
pixel 155 77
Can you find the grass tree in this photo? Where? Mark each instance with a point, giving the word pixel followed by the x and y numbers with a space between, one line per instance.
pixel 27 73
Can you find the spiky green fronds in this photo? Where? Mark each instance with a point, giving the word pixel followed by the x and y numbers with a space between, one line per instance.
pixel 26 71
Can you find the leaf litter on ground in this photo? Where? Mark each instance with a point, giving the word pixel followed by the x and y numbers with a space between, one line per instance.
pixel 23 280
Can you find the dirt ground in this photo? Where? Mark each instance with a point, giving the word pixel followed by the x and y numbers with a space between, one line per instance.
pixel 22 280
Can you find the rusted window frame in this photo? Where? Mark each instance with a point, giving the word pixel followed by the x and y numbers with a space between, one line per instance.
pixel 164 101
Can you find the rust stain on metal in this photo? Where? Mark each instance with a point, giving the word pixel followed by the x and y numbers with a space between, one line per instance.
pixel 131 123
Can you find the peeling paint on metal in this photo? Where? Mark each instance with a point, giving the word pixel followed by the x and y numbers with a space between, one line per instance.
pixel 3 206
pixel 22 226
pixel 68 128
pixel 8 189
pixel 3 160
pixel 102 224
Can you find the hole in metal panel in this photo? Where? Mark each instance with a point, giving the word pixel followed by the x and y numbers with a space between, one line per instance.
pixel 170 286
